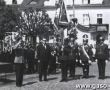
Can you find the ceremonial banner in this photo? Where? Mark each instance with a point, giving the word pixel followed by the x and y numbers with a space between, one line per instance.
pixel 61 19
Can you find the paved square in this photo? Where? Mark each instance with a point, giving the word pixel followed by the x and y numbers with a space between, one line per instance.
pixel 31 81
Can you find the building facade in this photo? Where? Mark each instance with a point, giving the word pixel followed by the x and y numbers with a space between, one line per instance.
pixel 88 12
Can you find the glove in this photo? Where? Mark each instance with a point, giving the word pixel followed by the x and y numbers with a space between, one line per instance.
pixel 106 61
pixel 38 61
pixel 80 61
pixel 76 60
pixel 90 62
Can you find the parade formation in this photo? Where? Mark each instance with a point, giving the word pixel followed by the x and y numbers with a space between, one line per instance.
pixel 29 50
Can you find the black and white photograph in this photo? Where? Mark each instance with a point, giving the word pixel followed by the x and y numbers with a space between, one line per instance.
pixel 54 44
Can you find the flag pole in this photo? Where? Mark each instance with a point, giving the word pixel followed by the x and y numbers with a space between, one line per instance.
pixel 73 10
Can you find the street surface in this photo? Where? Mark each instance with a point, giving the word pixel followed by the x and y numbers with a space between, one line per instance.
pixel 31 81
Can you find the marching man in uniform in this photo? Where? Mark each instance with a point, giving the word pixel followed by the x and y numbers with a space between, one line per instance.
pixel 85 56
pixel 73 55
pixel 102 54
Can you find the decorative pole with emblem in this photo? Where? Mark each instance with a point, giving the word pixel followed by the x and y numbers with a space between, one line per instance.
pixel 74 18
pixel 14 1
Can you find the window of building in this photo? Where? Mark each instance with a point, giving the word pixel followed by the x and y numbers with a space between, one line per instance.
pixel 86 1
pixel 99 19
pixel 99 15
pixel 86 19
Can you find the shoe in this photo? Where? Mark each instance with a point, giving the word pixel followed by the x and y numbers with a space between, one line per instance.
pixel 70 76
pixel 45 80
pixel 83 76
pixel 101 78
pixel 40 80
pixel 63 80
pixel 74 78
pixel 19 85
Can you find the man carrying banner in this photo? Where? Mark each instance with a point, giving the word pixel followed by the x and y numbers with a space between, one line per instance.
pixel 73 55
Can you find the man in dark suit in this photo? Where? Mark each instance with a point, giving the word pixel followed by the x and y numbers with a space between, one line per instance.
pixel 43 57
pixel 101 55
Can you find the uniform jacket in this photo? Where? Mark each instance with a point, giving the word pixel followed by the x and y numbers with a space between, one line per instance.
pixel 71 53
pixel 19 55
pixel 102 52
pixel 89 52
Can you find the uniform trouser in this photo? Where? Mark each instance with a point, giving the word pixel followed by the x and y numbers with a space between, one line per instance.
pixel 85 68
pixel 31 66
pixel 43 70
pixel 64 69
pixel 19 74
pixel 52 65
pixel 101 67
pixel 72 68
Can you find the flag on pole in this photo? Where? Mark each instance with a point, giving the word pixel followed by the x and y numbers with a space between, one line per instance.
pixel 61 19
pixel 63 14
pixel 14 1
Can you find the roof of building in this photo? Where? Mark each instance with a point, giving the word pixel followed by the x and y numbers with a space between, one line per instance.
pixel 82 6
pixel 90 6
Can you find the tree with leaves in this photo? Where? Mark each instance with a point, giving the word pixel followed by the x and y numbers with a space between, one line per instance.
pixel 34 22
pixel 7 19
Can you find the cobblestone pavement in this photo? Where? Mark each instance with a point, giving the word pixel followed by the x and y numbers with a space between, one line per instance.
pixel 31 82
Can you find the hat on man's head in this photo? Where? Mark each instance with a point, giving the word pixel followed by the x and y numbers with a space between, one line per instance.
pixel 85 38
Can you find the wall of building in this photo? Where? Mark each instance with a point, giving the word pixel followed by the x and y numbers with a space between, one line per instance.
pixel 92 15
pixel 93 18
pixel 67 2
pixel 96 1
